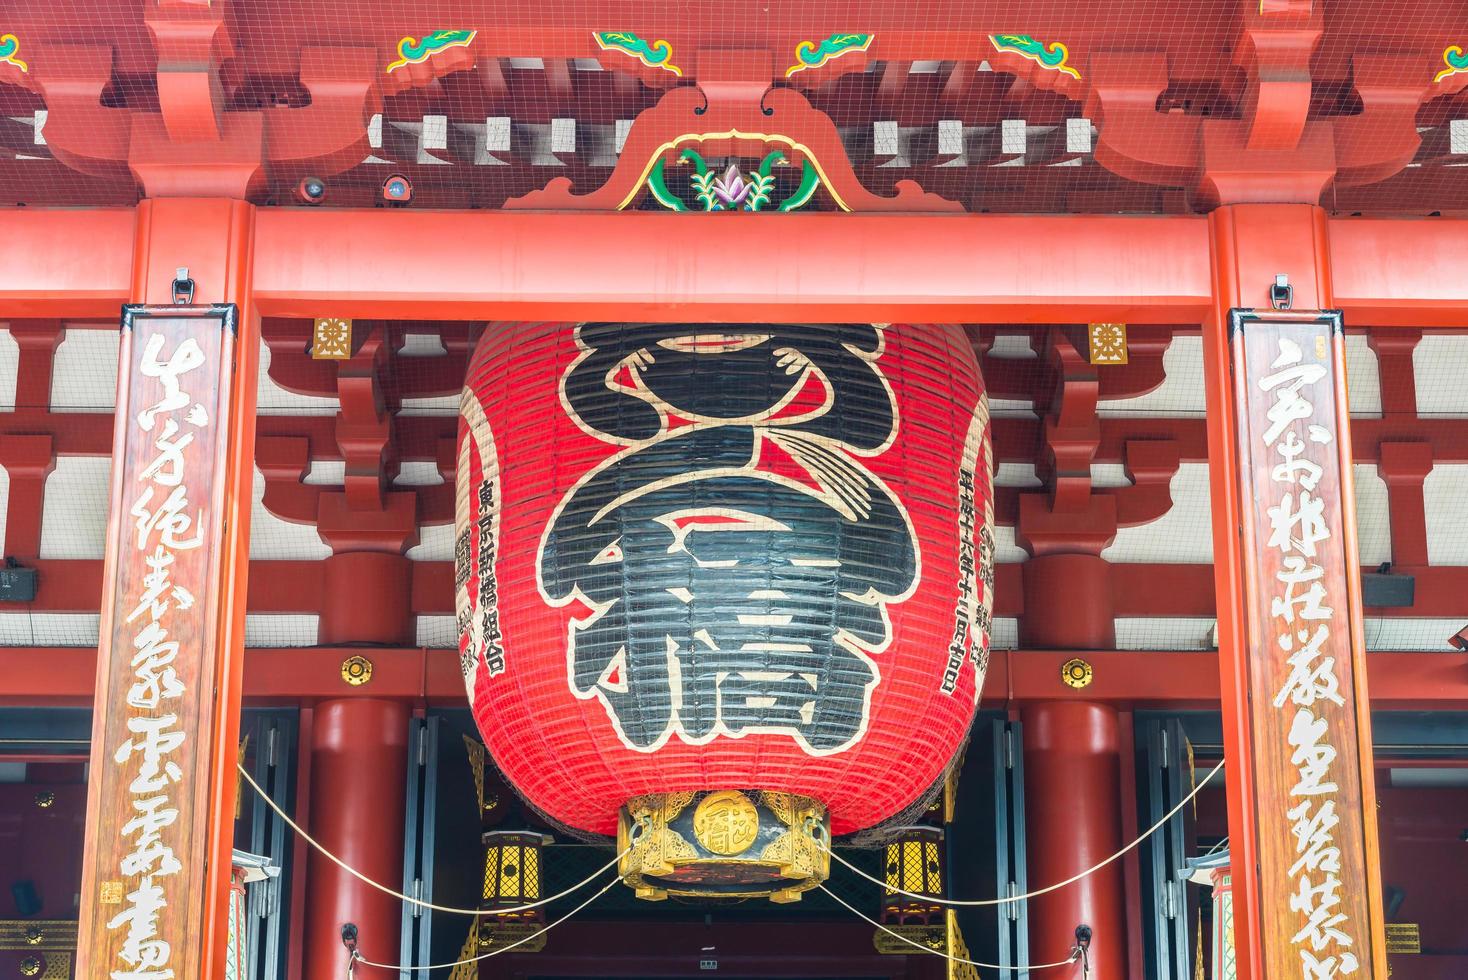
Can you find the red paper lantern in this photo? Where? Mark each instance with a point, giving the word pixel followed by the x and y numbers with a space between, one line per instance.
pixel 752 559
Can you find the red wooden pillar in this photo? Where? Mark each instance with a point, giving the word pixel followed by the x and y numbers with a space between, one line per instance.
pixel 1073 774
pixel 365 599
pixel 1067 603
pixel 358 767
pixel 1073 810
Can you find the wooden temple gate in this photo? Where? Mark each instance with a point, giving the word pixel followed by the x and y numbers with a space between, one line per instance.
pixel 550 254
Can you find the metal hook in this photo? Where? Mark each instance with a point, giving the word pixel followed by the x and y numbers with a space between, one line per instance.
pixel 700 110
pixel 1082 949
pixel 183 287
pixel 764 108
pixel 349 941
pixel 1281 293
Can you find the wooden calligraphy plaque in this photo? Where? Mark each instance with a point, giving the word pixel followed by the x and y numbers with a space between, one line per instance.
pixel 142 884
pixel 1320 904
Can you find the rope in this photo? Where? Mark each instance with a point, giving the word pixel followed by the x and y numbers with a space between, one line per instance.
pixel 953 959
pixel 483 913
pixel 494 952
pixel 1039 891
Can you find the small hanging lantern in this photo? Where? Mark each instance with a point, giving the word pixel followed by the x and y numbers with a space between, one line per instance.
pixel 913 863
pixel 512 878
pixel 1214 871
pixel 247 869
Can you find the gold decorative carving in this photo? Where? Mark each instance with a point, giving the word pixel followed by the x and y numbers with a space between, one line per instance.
pixel 58 967
pixel 30 966
pixel 726 822
pixel 239 782
pixel 356 670
pixel 1108 343
pixel 744 845
pixel 331 339
pixel 476 765
pixel 466 968
pixel 958 951
pixel 934 937
pixel 1403 937
pixel 1076 673
pixel 38 934
pixel 45 800
pixel 782 805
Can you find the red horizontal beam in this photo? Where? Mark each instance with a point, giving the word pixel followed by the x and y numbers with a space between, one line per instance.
pixel 1138 590
pixel 669 267
pixel 501 265
pixel 65 263
pixel 65 675
pixel 1409 273
pixel 1015 439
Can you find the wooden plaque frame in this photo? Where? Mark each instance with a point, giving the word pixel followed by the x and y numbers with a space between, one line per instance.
pixel 155 718
pixel 1309 721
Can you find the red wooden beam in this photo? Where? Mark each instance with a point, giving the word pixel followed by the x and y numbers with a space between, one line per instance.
pixel 644 266
pixel 1147 678
pixel 65 263
pixel 1399 273
pixel 1139 590
pixel 975 268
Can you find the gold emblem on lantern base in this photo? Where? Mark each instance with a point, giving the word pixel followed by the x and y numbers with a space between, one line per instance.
pixel 723 844
pixel 725 823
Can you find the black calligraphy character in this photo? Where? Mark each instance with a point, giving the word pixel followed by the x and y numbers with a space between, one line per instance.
pixel 736 574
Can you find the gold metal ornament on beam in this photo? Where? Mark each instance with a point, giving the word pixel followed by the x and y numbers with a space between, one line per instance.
pixel 356 670
pixel 724 844
pixel 1077 673
pixel 1108 343
pixel 331 339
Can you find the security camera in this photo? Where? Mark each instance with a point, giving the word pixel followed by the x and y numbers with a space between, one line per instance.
pixel 311 190
pixel 397 190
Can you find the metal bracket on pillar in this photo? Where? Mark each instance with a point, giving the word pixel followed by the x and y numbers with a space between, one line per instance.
pixel 349 940
pixel 183 287
pixel 1082 949
pixel 1281 293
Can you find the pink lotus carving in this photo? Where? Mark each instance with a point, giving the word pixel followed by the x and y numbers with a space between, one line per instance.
pixel 731 188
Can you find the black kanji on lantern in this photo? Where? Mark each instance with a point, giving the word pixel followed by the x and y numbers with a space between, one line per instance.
pixel 737 556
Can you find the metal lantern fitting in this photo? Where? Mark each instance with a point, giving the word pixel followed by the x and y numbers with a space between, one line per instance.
pixel 913 863
pixel 512 878
pixel 724 844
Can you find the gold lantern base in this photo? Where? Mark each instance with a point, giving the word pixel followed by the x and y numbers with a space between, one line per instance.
pixel 723 844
